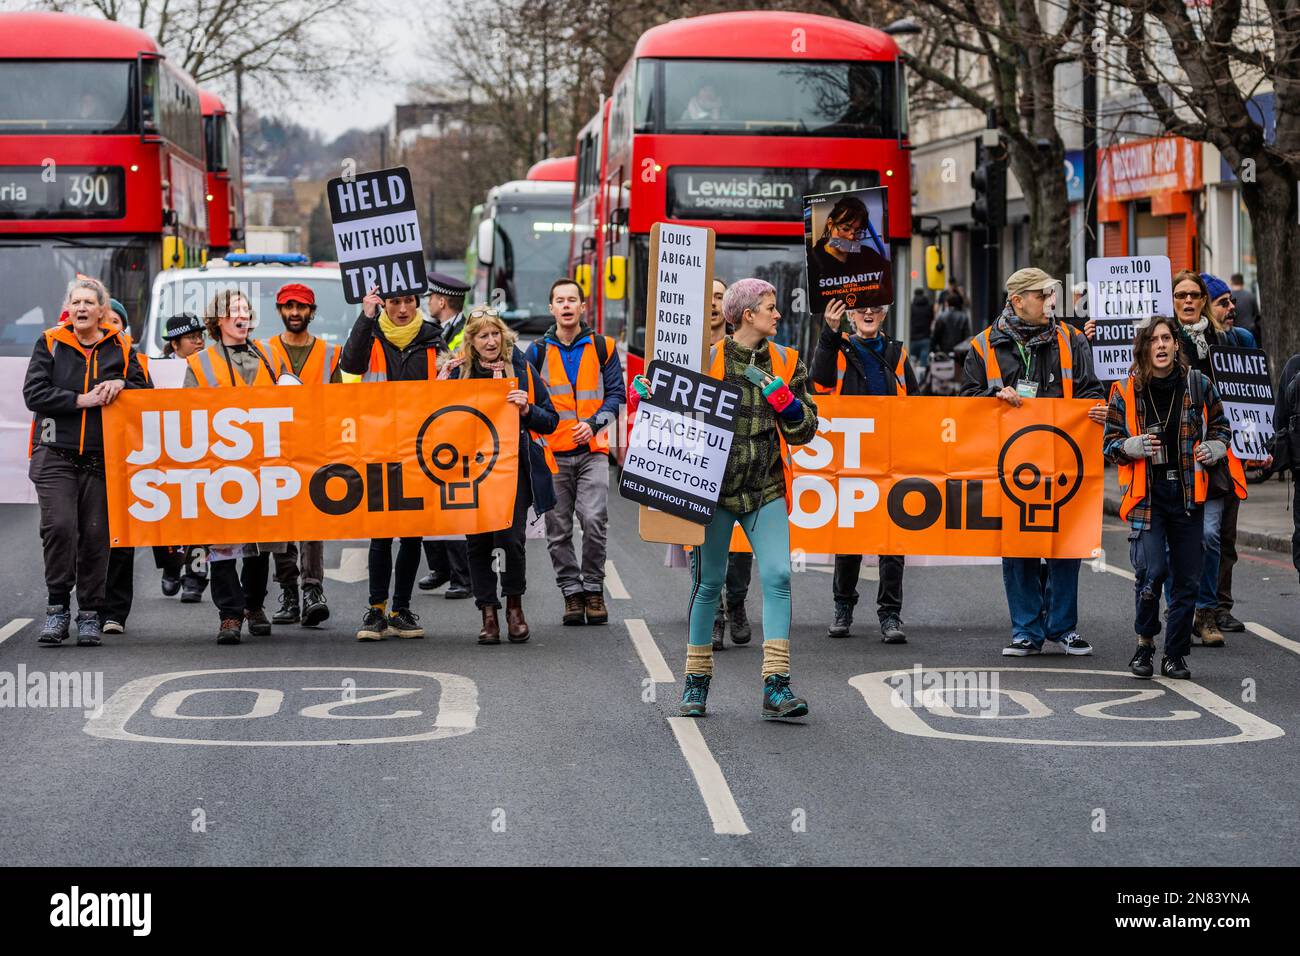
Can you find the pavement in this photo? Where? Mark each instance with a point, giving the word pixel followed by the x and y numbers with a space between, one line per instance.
pixel 310 748
pixel 1264 521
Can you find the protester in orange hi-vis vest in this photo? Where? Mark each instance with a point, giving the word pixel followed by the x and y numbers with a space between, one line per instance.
pixel 488 351
pixel 75 370
pixel 233 361
pixel 392 342
pixel 314 362
pixel 868 362
pixel 1026 354
pixel 585 379
pixel 1165 427
pixel 775 412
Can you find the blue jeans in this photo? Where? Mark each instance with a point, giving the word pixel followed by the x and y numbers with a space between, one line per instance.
pixel 1044 606
pixel 1169 553
pixel 1207 596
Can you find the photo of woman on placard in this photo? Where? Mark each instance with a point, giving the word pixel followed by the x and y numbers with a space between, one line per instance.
pixel 848 249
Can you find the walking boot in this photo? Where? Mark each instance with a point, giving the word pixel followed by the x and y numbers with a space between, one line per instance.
pixel 741 631
pixel 516 626
pixel 1207 628
pixel 594 605
pixel 719 629
pixel 314 609
pixel 843 620
pixel 575 609
pixel 491 632
pixel 289 608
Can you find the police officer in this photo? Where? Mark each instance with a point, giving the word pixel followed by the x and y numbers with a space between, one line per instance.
pixel 448 560
pixel 313 361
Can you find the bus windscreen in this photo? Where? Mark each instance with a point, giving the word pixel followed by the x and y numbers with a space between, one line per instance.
pixel 65 96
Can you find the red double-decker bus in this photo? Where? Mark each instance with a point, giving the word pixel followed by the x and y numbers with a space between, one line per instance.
pixel 101 167
pixel 728 121
pixel 225 192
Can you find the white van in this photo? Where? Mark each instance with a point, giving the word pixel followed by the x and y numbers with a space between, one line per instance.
pixel 190 290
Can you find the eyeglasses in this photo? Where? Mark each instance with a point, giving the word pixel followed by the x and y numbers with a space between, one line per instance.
pixel 874 312
pixel 1188 295
pixel 482 310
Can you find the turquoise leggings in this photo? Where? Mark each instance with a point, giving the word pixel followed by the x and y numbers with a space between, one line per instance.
pixel 768 530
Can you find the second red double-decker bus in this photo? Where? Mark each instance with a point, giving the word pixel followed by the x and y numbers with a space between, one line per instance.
pixel 101 167
pixel 728 121
pixel 225 193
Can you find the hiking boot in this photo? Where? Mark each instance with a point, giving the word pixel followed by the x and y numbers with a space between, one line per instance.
pixel 594 602
pixel 719 629
pixel 695 695
pixel 88 630
pixel 1021 647
pixel 1175 667
pixel 259 625
pixel 1205 627
pixel 229 632
pixel 738 621
pixel 575 609
pixel 191 591
pixel 490 632
pixel 1140 664
pixel 373 625
pixel 456 593
pixel 843 620
pixel 405 623
pixel 55 629
pixel 891 630
pixel 315 611
pixel 1228 623
pixel 779 702
pixel 170 585
pixel 289 611
pixel 110 626
pixel 516 626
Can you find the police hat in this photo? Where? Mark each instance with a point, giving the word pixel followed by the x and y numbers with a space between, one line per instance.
pixel 182 324
pixel 442 284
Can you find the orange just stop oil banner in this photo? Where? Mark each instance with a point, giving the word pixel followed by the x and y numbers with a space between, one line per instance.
pixel 307 463
pixel 949 476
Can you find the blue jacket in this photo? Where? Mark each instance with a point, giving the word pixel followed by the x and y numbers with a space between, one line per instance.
pixel 541 417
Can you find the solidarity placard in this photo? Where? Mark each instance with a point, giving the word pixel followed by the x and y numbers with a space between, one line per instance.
pixel 1112 349
pixel 680 442
pixel 683 267
pixel 383 460
pixel 1241 375
pixel 377 233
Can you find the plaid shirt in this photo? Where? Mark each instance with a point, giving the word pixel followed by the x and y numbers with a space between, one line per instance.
pixel 1190 427
pixel 754 475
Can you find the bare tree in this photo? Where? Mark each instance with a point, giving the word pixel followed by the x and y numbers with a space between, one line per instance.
pixel 1197 80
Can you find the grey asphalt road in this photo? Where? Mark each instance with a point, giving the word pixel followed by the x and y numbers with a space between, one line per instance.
pixel 564 750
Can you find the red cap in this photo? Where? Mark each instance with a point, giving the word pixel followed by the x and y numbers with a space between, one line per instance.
pixel 295 292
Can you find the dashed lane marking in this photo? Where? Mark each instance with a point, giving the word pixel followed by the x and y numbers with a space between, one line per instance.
pixel 13 627
pixel 1268 634
pixel 648 651
pixel 614 583
pixel 708 777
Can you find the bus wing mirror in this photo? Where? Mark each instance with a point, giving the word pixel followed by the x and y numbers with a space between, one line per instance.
pixel 486 240
pixel 934 270
pixel 618 217
pixel 582 275
pixel 616 278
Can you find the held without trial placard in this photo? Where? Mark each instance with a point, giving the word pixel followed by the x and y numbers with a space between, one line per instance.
pixel 1241 376
pixel 680 442
pixel 377 233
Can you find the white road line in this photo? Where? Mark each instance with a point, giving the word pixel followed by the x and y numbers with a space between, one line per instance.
pixel 1111 569
pixel 708 777
pixel 614 583
pixel 1268 634
pixel 13 627
pixel 648 651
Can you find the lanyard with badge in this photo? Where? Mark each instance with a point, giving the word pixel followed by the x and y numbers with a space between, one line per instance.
pixel 1025 386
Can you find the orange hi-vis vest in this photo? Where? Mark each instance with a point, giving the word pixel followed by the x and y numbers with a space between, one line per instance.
pixel 784 362
pixel 842 363
pixel 993 373
pixel 551 464
pixel 321 362
pixel 1133 476
pixel 377 370
pixel 575 404
pixel 211 370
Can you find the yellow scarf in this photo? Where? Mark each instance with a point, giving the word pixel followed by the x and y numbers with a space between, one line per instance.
pixel 400 335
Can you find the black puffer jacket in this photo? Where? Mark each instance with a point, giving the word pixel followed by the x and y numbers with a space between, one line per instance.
pixel 61 369
pixel 404 365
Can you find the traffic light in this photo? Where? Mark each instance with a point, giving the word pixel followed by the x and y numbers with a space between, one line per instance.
pixel 989 180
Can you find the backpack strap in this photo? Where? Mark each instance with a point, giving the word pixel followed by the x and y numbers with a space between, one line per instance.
pixel 602 349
